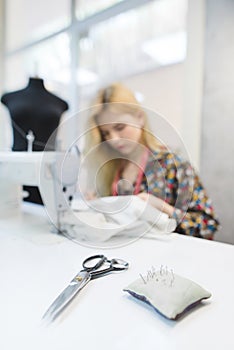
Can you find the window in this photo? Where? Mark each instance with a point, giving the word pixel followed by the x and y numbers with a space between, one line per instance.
pixel 49 60
pixel 132 42
pixel 148 35
pixel 28 21
pixel 86 8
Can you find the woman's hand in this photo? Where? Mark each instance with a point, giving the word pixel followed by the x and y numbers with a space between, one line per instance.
pixel 89 195
pixel 158 203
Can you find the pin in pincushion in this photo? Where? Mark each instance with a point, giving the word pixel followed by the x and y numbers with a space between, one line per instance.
pixel 169 294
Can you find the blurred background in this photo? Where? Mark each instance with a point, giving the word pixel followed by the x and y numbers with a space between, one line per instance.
pixel 176 55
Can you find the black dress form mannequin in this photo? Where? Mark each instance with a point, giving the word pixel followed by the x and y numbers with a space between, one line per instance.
pixel 34 108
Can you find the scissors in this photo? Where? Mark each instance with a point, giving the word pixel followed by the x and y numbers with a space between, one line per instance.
pixel 91 270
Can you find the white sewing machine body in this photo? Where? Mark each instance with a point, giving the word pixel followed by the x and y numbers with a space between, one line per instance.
pixel 55 174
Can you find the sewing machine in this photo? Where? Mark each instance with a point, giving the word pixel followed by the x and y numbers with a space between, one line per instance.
pixel 55 174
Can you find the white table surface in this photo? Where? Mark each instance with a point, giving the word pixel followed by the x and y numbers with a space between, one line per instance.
pixel 36 265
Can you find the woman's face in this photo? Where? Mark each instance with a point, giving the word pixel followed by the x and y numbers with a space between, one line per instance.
pixel 121 131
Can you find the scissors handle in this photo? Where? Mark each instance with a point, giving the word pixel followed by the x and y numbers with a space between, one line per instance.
pixel 115 265
pixel 100 259
pixel 119 264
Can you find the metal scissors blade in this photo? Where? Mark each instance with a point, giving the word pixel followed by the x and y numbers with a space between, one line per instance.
pixel 91 270
pixel 76 284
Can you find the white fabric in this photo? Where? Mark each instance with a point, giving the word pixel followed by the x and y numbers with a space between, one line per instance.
pixel 103 218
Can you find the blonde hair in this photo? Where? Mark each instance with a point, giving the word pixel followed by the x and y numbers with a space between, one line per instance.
pixel 118 99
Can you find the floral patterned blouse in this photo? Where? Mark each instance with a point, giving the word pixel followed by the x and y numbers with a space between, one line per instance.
pixel 170 178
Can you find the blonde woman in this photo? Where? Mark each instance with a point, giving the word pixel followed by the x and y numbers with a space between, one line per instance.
pixel 126 158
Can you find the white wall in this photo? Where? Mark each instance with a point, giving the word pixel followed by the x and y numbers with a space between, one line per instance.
pixel 5 128
pixel 1 43
pixel 162 90
pixel 193 80
pixel 217 161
